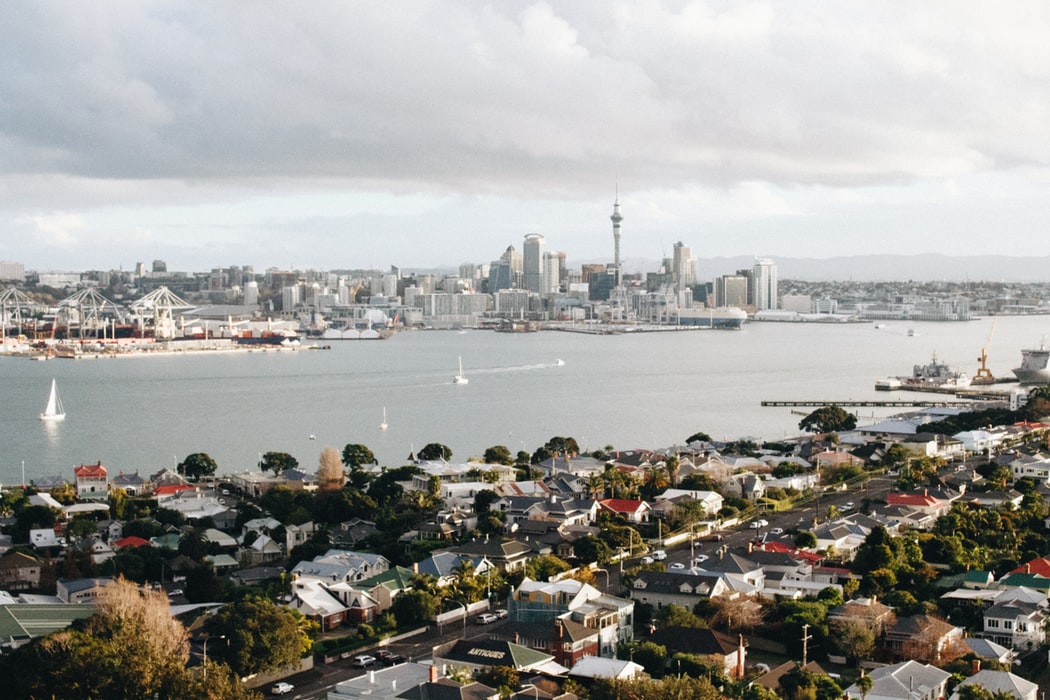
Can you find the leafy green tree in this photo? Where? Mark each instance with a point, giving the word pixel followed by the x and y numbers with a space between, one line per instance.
pixel 118 502
pixel 503 678
pixel 498 454
pixel 356 455
pixel 278 462
pixel 483 499
pixel 828 419
pixel 414 607
pixel 543 567
pixel 698 436
pixel 652 656
pixel 197 465
pixel 562 445
pixel 435 451
pixel 32 518
pixel 262 636
pixel 590 549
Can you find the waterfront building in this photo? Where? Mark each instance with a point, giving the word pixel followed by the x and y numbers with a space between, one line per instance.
pixel 764 277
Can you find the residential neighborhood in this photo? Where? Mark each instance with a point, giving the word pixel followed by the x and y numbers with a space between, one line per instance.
pixel 859 563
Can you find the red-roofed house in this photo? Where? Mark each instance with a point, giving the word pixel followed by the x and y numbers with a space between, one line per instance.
pixel 924 502
pixel 168 490
pixel 785 548
pixel 131 541
pixel 632 511
pixel 92 481
pixel 1040 566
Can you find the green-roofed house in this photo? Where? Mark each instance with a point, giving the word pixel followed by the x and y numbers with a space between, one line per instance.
pixel 386 586
pixel 1033 581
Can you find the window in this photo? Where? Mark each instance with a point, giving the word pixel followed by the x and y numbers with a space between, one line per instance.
pixel 992 624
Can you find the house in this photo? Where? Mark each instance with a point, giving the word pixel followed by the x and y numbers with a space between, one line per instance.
pixel 684 588
pixel 383 683
pixel 1015 624
pixel 591 668
pixel 566 640
pixel 908 680
pixel 719 649
pixel 866 611
pixel 84 590
pixel 1000 683
pixel 924 638
pixel 131 484
pixel 542 602
pixel 633 511
pixel 712 500
pixel 1035 466
pixel 91 481
pixel 505 555
pixel 19 572
pixel 314 601
pixel 342 565
pixel 445 565
pixel 927 501
pixel 448 689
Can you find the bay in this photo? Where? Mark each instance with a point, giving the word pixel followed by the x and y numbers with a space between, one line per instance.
pixel 643 390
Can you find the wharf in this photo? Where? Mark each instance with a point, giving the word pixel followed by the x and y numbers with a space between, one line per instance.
pixel 893 403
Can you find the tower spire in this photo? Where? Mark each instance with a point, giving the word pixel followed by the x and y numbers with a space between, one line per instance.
pixel 616 218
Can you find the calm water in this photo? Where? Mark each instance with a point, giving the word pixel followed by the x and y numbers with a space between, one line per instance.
pixel 645 390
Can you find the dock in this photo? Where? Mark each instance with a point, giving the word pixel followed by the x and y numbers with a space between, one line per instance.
pixel 893 403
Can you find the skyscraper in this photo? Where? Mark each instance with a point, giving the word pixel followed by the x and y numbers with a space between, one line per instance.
pixel 683 267
pixel 532 255
pixel 765 284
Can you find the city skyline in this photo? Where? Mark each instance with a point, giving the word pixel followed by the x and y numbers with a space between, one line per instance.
pixel 360 135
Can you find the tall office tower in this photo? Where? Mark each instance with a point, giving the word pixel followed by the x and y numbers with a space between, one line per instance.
pixel 683 267
pixel 532 262
pixel 731 290
pixel 251 293
pixel 765 284
pixel 499 276
pixel 513 258
pixel 616 219
pixel 469 273
pixel 551 273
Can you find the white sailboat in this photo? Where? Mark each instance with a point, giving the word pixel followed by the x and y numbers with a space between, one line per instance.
pixel 460 378
pixel 54 411
pixel 383 425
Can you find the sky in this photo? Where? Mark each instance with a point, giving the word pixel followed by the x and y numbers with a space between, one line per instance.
pixel 423 134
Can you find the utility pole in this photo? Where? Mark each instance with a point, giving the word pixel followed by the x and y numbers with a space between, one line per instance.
pixel 806 636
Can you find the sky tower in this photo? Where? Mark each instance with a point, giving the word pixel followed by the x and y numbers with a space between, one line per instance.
pixel 616 219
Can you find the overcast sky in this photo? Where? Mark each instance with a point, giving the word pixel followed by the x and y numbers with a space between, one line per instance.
pixel 360 134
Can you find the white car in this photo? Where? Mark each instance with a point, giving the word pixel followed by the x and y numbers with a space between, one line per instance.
pixel 777 531
pixel 485 618
pixel 755 524
pixel 281 688
pixel 647 560
pixel 659 554
pixel 700 559
pixel 363 661
pixel 677 565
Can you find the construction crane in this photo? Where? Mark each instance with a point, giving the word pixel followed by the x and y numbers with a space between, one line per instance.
pixel 984 375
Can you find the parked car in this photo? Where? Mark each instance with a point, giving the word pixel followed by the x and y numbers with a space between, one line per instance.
pixel 175 592
pixel 659 554
pixel 647 560
pixel 501 613
pixel 762 522
pixel 389 658
pixel 677 565
pixel 755 524
pixel 281 688
pixel 777 531
pixel 848 506
pixel 485 619
pixel 363 660
pixel 700 559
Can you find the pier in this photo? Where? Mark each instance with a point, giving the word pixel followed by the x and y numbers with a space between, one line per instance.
pixel 893 403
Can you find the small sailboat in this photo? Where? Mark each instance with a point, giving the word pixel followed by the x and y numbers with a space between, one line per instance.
pixel 54 411
pixel 559 362
pixel 383 425
pixel 460 378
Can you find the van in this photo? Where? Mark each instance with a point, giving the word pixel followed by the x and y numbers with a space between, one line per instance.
pixel 659 555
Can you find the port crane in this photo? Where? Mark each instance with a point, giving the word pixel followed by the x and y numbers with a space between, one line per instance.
pixel 984 375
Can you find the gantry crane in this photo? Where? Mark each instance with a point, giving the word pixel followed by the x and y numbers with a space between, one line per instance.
pixel 984 375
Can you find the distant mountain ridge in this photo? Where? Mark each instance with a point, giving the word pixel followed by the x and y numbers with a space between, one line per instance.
pixel 925 267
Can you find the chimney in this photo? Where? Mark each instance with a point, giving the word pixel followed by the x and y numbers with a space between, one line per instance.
pixel 740 653
pixel 1028 568
pixel 415 567
pixel 975 666
pixel 433 673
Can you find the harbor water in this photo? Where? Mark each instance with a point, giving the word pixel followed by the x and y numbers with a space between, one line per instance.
pixel 642 390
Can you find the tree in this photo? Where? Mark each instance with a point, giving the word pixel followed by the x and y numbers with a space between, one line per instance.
pixel 805 540
pixel 498 454
pixel 864 685
pixel 590 549
pixel 698 436
pixel 355 455
pixel 652 656
pixel 131 647
pixel 329 471
pixel 854 638
pixel 483 499
pixel 261 636
pixel 414 607
pixel 197 465
pixel 278 462
pixel 828 419
pixel 543 567
pixel 503 678
pixel 435 451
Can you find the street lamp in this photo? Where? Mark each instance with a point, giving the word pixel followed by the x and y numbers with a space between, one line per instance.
pixel 462 605
pixel 536 691
pixel 219 636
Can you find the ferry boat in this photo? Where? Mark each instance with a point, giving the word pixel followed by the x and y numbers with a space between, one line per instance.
pixel 1034 366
